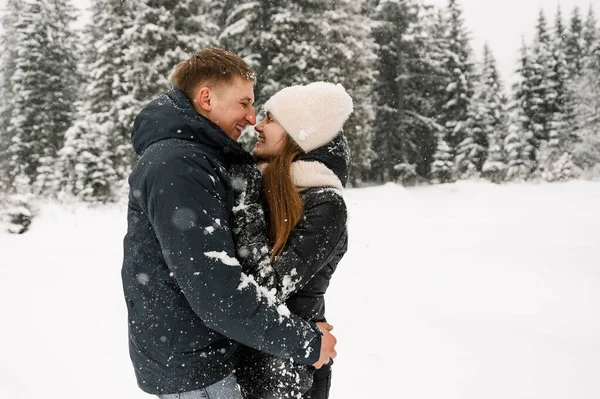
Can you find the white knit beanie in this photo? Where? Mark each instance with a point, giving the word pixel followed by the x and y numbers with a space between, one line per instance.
pixel 312 114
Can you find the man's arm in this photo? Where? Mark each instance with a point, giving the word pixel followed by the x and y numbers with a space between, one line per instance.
pixel 187 209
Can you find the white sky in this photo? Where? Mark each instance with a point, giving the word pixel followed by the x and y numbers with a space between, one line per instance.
pixel 501 23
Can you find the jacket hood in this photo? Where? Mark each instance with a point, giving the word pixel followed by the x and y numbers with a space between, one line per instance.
pixel 335 156
pixel 171 116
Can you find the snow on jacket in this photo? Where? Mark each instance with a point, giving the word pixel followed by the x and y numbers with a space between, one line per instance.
pixel 301 274
pixel 188 301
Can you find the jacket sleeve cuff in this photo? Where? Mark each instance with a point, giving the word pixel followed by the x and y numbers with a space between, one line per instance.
pixel 312 352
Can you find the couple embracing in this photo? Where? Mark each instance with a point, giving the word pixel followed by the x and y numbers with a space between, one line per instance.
pixel 228 254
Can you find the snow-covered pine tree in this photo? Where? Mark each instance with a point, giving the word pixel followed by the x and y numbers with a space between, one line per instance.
pixel 98 143
pixel 589 32
pixel 350 51
pixel 85 165
pixel 522 108
pixel 442 168
pixel 108 91
pixel 304 41
pixel 161 34
pixel 18 213
pixel 574 45
pixel 426 89
pixel 494 168
pixel 62 60
pixel 517 149
pixel 563 115
pixel 491 101
pixel 394 139
pixel 247 28
pixel 8 54
pixel 442 155
pixel 458 65
pixel 409 91
pixel 247 31
pixel 544 98
pixel 554 152
pixel 586 153
pixel 476 143
pixel 44 86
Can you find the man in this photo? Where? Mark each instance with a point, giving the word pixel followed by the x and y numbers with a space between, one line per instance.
pixel 188 303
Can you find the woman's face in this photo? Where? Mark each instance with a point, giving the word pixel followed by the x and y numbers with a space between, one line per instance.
pixel 271 138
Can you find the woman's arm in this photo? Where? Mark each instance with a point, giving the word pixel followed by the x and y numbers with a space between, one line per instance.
pixel 311 244
pixel 309 247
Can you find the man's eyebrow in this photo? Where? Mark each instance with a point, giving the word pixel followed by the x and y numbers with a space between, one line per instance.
pixel 247 99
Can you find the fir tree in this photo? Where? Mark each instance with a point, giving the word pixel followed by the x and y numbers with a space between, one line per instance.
pixel 18 214
pixel 299 42
pixel 589 33
pixel 161 34
pixel 546 109
pixel 543 100
pixel 109 92
pixel 394 139
pixel 586 153
pixel 494 168
pixel 459 89
pixel 493 118
pixel 8 55
pixel 442 168
pixel 409 90
pixel 558 133
pixel 350 58
pixel 44 87
pixel 97 145
pixel 525 104
pixel 517 149
pixel 574 45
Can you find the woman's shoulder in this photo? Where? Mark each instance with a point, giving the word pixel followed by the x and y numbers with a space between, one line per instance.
pixel 327 198
pixel 314 174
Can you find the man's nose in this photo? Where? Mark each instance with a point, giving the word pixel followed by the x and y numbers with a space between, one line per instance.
pixel 251 116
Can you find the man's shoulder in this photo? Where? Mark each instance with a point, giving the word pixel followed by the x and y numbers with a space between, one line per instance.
pixel 178 153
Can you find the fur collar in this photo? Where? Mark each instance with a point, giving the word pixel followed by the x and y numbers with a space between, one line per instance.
pixel 306 174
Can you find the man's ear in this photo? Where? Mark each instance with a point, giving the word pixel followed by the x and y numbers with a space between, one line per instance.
pixel 203 97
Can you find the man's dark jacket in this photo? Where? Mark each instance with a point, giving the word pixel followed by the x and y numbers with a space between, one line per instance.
pixel 181 281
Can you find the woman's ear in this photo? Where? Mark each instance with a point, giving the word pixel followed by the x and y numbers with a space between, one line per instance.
pixel 202 99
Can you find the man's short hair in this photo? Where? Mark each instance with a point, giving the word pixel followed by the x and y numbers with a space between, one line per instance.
pixel 210 67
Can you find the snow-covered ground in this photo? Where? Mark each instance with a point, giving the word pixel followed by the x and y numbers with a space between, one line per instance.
pixel 468 290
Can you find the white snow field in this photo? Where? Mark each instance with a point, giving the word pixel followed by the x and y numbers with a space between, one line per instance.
pixel 467 290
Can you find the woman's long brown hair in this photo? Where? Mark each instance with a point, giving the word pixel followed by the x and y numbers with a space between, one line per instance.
pixel 284 201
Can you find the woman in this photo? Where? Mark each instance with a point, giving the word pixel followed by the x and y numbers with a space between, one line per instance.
pixel 305 164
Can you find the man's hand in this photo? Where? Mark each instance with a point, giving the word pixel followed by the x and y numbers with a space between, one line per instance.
pixel 328 342
pixel 323 325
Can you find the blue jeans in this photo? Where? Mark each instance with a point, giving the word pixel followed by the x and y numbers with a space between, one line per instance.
pixel 227 388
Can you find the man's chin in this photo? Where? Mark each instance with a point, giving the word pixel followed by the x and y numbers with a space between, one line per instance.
pixel 235 136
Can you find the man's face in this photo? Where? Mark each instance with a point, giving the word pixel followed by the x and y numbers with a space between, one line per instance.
pixel 232 106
